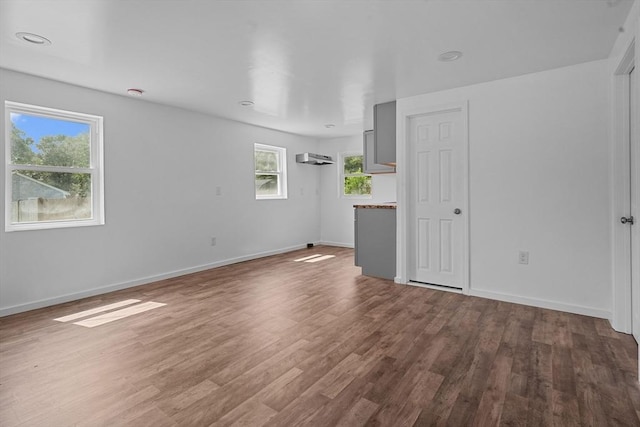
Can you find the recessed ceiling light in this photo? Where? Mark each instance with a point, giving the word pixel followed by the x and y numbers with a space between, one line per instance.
pixel 329 125
pixel 135 92
pixel 452 55
pixel 246 103
pixel 33 38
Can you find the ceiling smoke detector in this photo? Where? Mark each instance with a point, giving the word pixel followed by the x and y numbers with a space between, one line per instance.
pixel 33 38
pixel 452 55
pixel 135 92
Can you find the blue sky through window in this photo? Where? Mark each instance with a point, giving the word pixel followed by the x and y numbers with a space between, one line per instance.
pixel 36 127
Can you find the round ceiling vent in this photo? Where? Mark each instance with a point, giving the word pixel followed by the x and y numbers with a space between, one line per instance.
pixel 33 38
pixel 452 55
pixel 135 92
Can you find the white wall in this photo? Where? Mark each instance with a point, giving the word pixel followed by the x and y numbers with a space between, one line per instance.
pixel 539 181
pixel 539 176
pixel 336 213
pixel 162 166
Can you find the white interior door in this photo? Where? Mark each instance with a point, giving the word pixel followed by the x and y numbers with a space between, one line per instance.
pixel 634 227
pixel 437 165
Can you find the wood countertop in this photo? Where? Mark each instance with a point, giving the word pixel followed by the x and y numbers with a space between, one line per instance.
pixel 376 206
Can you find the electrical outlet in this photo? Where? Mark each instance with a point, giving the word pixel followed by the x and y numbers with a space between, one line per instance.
pixel 523 257
pixel 213 241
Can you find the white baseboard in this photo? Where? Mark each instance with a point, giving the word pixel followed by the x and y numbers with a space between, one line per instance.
pixel 552 305
pixel 6 311
pixel 533 302
pixel 435 287
pixel 338 244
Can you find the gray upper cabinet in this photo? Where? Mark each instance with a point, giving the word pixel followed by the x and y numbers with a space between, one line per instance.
pixel 384 128
pixel 368 150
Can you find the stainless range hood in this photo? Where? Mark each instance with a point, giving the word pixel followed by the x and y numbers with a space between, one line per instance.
pixel 314 159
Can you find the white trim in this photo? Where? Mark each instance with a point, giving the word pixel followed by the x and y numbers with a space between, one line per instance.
pixel 281 173
pixel 534 302
pixel 403 114
pixel 435 287
pixel 47 112
pixel 337 244
pixel 635 200
pixel 96 169
pixel 6 311
pixel 60 169
pixel 621 319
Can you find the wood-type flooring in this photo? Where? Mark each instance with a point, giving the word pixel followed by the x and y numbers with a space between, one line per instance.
pixel 281 343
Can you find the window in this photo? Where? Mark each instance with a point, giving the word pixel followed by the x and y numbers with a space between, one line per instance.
pixel 353 182
pixel 270 172
pixel 53 168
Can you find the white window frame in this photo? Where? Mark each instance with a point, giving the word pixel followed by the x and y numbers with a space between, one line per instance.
pixel 96 168
pixel 281 152
pixel 342 176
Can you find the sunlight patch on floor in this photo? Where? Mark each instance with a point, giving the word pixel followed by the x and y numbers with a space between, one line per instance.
pixel 107 315
pixel 314 258
pixel 306 258
pixel 87 313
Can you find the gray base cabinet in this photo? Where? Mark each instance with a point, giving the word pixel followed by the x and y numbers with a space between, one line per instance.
pixel 375 241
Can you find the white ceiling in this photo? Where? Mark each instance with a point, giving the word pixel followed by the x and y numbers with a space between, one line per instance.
pixel 304 63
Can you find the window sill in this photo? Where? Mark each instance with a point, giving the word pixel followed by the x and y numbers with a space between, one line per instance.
pixel 28 226
pixel 272 198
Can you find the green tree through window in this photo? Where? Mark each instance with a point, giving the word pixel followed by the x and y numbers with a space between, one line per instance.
pixel 54 165
pixel 54 150
pixel 355 182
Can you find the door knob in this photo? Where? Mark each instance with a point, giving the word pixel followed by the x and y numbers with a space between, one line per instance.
pixel 627 220
pixel 457 211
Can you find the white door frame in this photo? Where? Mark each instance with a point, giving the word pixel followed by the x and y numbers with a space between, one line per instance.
pixel 403 115
pixel 621 179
